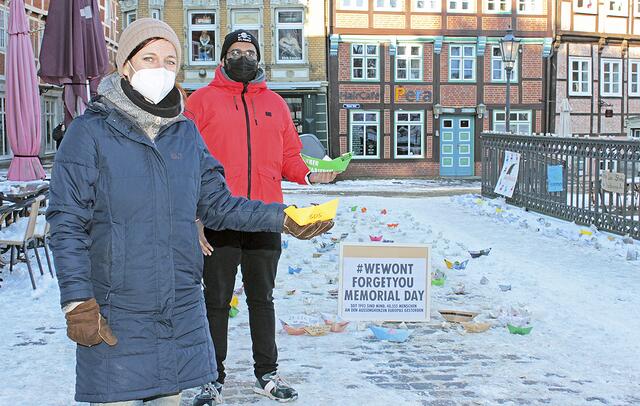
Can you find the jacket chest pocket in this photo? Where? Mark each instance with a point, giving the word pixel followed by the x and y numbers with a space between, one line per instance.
pixel 118 256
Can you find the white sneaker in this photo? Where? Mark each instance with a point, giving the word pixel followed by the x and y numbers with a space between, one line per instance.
pixel 275 387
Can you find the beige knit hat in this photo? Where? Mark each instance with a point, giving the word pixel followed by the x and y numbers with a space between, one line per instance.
pixel 141 30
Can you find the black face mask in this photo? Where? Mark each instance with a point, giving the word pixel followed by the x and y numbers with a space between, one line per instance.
pixel 241 69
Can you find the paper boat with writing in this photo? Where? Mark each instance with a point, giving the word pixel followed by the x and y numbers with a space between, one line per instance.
pixel 317 330
pixel 338 164
pixel 375 237
pixel 477 254
pixel 390 334
pixel 293 270
pixel 292 330
pixel 457 316
pixel 337 325
pixel 307 215
pixel 387 241
pixel 456 264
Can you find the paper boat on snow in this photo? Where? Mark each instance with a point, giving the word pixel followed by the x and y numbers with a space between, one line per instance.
pixel 523 331
pixel 393 225
pixel 586 232
pixel 476 327
pixel 285 244
pixel 457 316
pixel 456 264
pixel 354 208
pixel 292 330
pixel 336 325
pixel 364 209
pixel 293 270
pixel 317 254
pixel 325 247
pixel 233 312
pixel 317 330
pixel 383 212
pixel 477 254
pixel 375 237
pixel 437 282
pixel 239 291
pixel 390 334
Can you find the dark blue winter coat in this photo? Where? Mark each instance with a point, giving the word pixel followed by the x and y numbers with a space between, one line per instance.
pixel 122 213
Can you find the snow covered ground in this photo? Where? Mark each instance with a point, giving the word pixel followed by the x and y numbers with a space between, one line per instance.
pixel 576 283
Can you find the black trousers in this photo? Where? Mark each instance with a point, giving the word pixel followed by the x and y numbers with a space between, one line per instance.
pixel 258 255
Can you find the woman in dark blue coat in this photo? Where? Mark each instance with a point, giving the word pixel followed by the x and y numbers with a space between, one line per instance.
pixel 129 181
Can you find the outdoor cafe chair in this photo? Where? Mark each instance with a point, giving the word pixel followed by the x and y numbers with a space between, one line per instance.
pixel 41 236
pixel 20 235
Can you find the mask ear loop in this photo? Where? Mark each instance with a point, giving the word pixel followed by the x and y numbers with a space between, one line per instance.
pixel 132 68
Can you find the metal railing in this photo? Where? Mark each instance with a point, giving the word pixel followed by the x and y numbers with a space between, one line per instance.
pixel 584 162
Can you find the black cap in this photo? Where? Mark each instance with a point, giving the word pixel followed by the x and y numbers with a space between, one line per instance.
pixel 238 36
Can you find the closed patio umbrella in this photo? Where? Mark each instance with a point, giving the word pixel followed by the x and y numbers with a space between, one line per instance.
pixel 565 119
pixel 23 99
pixel 74 52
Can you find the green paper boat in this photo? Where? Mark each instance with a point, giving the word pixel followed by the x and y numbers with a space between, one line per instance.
pixel 437 282
pixel 338 164
pixel 523 331
pixel 354 208
pixel 233 312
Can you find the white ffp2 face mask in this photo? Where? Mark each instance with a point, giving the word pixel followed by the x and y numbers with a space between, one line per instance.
pixel 153 84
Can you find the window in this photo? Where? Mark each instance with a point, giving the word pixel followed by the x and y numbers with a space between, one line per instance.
pixel 634 77
pixel 289 36
pixel 462 62
pixel 387 5
pixel 585 6
pixel 202 34
pixel 409 62
pixel 247 20
pixel 498 73
pixel 295 108
pixel 519 121
pixel 616 7
pixel 354 4
pixel 426 5
pixel 155 13
pixel 579 77
pixel 497 6
pixel 107 12
pixel 4 35
pixel 611 77
pixel 364 134
pixel 409 130
pixel 5 149
pixel 530 6
pixel 461 6
pixel 129 17
pixel 635 133
pixel 364 61
pixel 52 116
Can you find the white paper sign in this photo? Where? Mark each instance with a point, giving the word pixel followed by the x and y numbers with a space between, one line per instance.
pixel 509 174
pixel 613 181
pixel 384 282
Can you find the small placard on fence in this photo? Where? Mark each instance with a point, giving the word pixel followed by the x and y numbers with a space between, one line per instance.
pixel 613 181
pixel 509 174
pixel 554 178
pixel 384 282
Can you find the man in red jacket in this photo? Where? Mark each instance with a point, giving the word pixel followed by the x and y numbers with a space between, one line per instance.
pixel 248 128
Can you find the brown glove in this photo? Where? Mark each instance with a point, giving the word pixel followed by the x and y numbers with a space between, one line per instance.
pixel 86 326
pixel 306 232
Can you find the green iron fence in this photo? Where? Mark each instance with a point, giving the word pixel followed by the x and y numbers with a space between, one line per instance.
pixel 600 178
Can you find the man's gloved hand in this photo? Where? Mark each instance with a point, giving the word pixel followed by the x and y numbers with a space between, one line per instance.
pixel 306 232
pixel 86 326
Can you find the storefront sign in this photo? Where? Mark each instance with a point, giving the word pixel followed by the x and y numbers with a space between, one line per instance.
pixel 384 282
pixel 509 174
pixel 350 106
pixel 359 94
pixel 413 94
pixel 613 182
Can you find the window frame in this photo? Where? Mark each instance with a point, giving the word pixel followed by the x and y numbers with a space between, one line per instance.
pixel 462 59
pixel 126 17
pixel 292 26
pixel 365 123
pixel 4 29
pixel 408 59
pixel 630 78
pixel 515 122
pixel 535 10
pixel 53 117
pixel 249 27
pixel 485 7
pixel 365 57
pixel 5 146
pixel 211 28
pixel 603 62
pixel 107 12
pixel 154 9
pixel 365 5
pixel 503 76
pixel 397 123
pixel 589 80
pixel 471 9
pixel 387 7
pixel 436 9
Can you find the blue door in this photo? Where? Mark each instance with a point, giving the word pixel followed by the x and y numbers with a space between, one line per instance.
pixel 456 146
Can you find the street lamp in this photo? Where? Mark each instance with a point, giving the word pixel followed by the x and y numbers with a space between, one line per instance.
pixel 509 48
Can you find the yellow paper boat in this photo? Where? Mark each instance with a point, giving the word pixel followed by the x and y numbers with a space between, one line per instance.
pixel 234 301
pixel 312 214
pixel 585 232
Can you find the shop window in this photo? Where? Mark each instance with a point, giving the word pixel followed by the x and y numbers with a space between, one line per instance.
pixel 202 35
pixel 289 36
pixel 409 130
pixel 364 134
pixel 248 20
pixel 519 121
